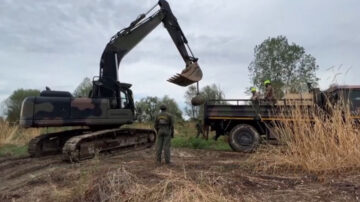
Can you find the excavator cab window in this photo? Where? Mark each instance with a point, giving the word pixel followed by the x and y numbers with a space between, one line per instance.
pixel 124 100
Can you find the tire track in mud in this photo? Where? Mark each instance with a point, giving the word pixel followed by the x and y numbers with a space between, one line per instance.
pixel 18 172
pixel 12 162
pixel 7 159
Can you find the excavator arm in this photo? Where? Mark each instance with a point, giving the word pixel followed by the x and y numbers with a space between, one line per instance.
pixel 125 40
pixel 192 72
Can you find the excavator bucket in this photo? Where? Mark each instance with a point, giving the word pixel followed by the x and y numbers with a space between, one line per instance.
pixel 191 74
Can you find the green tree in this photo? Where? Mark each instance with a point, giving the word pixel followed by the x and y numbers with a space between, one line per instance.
pixel 84 88
pixel 209 92
pixel 191 110
pixel 287 65
pixel 12 105
pixel 140 107
pixel 172 107
pixel 148 108
pixel 213 92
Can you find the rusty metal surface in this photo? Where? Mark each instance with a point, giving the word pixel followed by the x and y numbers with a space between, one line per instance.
pixel 191 74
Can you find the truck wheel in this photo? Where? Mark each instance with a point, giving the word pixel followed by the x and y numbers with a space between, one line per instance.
pixel 244 138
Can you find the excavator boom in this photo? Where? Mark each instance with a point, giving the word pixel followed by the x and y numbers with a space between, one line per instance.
pixel 125 40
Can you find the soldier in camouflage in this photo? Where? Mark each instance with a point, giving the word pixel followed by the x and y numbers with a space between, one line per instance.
pixel 255 95
pixel 164 127
pixel 269 92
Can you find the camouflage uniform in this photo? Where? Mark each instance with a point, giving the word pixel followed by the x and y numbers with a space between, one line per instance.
pixel 269 93
pixel 255 96
pixel 164 127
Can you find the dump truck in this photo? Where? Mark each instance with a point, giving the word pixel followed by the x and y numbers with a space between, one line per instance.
pixel 97 118
pixel 247 122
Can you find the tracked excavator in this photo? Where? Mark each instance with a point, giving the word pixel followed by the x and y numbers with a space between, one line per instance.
pixel 99 117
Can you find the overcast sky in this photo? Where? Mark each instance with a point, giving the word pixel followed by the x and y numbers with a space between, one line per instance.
pixel 57 43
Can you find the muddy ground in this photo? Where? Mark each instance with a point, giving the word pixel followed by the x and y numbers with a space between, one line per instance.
pixel 49 178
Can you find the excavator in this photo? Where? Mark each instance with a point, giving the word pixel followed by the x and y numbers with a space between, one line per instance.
pixel 96 120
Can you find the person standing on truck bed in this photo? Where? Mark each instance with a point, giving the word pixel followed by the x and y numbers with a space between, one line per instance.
pixel 255 95
pixel 164 127
pixel 269 92
pixel 255 99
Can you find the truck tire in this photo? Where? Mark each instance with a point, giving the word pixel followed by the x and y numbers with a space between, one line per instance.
pixel 244 138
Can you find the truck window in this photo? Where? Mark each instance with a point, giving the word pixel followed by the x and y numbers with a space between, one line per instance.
pixel 355 99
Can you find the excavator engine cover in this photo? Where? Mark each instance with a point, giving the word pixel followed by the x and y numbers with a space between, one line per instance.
pixel 191 74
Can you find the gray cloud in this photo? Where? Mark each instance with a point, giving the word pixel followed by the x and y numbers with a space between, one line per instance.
pixel 59 42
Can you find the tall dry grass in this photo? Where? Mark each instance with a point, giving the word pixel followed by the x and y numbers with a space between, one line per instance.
pixel 319 143
pixel 121 185
pixel 14 135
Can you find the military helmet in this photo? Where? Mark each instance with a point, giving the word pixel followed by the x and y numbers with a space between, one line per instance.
pixel 163 107
pixel 267 82
pixel 253 89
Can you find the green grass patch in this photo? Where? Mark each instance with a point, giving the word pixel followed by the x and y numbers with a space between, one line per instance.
pixel 13 150
pixel 199 143
pixel 185 133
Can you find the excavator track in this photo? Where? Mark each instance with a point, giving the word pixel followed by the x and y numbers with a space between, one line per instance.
pixel 86 146
pixel 51 143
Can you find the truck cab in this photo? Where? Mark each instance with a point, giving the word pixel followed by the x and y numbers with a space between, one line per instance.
pixel 349 95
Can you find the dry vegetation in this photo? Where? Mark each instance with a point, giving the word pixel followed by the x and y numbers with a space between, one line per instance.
pixel 14 135
pixel 121 185
pixel 323 145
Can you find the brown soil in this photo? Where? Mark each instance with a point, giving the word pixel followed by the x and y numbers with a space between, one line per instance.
pixel 49 178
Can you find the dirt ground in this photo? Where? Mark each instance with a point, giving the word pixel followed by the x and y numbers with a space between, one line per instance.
pixel 49 178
